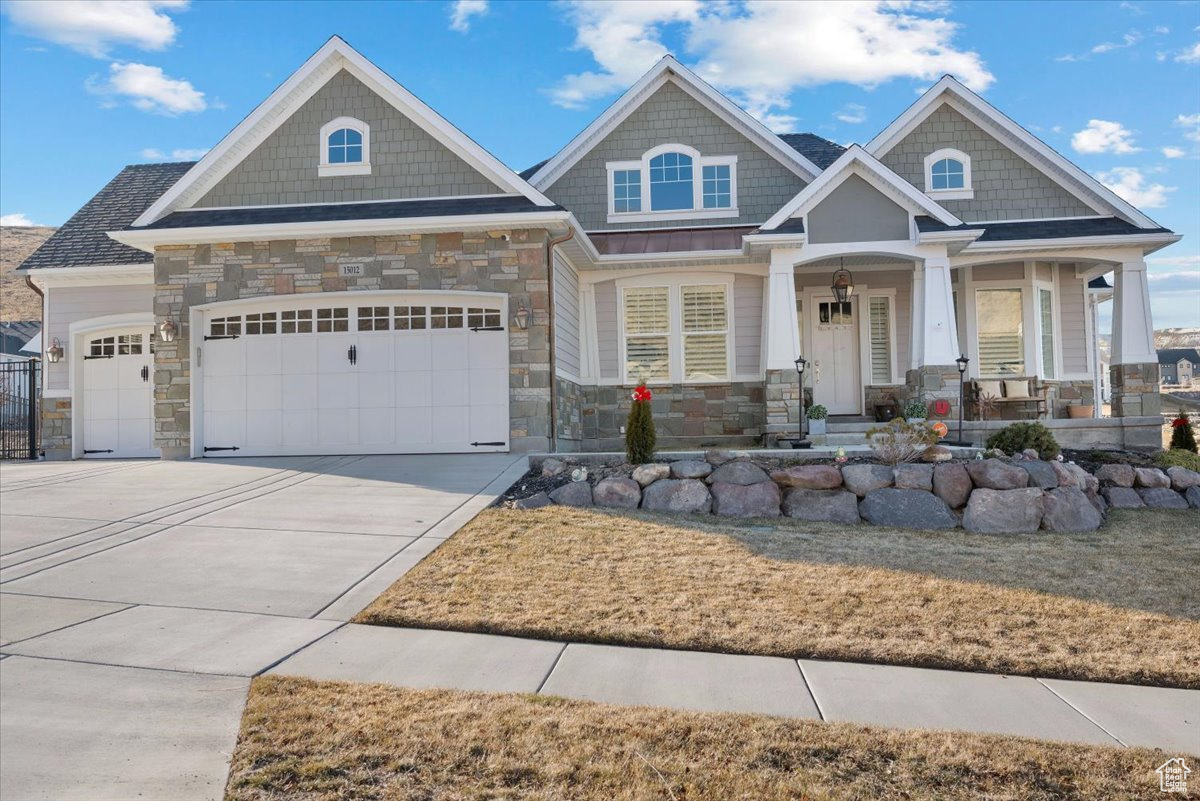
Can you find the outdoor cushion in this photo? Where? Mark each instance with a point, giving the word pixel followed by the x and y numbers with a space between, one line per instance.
pixel 1016 389
pixel 991 388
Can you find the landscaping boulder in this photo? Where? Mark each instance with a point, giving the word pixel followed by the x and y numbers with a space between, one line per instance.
pixel 937 453
pixel 1192 496
pixel 997 475
pixel 809 476
pixel 1162 498
pixel 906 508
pixel 1086 481
pixel 649 473
pixel 1031 453
pixel 739 472
pixel 1123 498
pixel 914 476
pixel 862 478
pixel 617 493
pixel 1183 479
pixel 553 467
pixel 533 501
pixel 1065 475
pixel 1097 500
pixel 1041 474
pixel 1116 475
pixel 1010 511
pixel 822 506
pixel 1068 509
pixel 690 469
pixel 577 493
pixel 952 483
pixel 718 458
pixel 677 495
pixel 746 500
pixel 1150 477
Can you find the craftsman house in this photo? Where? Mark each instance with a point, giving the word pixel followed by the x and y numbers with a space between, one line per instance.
pixel 347 272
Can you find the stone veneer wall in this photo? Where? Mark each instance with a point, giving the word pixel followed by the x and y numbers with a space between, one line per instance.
pixel 878 394
pixel 1061 394
pixel 1135 390
pixel 512 262
pixel 933 382
pixel 56 428
pixel 684 416
pixel 569 402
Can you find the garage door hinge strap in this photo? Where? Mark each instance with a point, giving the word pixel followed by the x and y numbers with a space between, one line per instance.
pixel 222 448
pixel 86 451
pixel 487 444
pixel 488 328
pixel 106 356
pixel 221 336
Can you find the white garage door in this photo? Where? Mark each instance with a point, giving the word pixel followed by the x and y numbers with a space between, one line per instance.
pixel 412 373
pixel 118 396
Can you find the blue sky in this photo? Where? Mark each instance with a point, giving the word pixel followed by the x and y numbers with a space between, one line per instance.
pixel 86 88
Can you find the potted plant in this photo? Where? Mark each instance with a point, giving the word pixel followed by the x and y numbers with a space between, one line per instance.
pixel 915 411
pixel 816 420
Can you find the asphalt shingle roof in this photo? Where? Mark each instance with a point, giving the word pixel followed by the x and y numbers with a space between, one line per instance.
pixel 1173 355
pixel 1042 229
pixel 82 241
pixel 817 149
pixel 529 172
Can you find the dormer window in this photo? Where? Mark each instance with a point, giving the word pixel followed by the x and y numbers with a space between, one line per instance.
pixel 345 148
pixel 948 175
pixel 672 182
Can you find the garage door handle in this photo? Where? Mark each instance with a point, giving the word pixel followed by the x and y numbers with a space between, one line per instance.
pixel 352 354
pixel 145 373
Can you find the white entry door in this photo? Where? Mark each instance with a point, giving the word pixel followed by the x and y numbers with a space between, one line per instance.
pixel 118 396
pixel 403 373
pixel 836 380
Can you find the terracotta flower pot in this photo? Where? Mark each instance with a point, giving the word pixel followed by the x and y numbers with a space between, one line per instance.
pixel 1078 411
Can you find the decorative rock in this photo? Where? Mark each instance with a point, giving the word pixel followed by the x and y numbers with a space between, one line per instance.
pixel 1192 496
pixel 952 483
pixel 739 472
pixel 1183 479
pixel 1150 477
pixel 690 469
pixel 809 476
pixel 914 476
pixel 649 473
pixel 1068 509
pixel 1123 498
pixel 577 493
pixel 994 453
pixel 1041 474
pixel 997 475
pixel 552 467
pixel 617 493
pixel 718 458
pixel 1118 475
pixel 746 500
pixel 1099 503
pixel 906 509
pixel 822 506
pixel 1031 453
pixel 1162 498
pixel 1064 474
pixel 533 501
pixel 862 478
pixel 677 495
pixel 1086 481
pixel 1010 511
pixel 937 453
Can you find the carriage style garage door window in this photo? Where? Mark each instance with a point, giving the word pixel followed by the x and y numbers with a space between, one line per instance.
pixel 364 373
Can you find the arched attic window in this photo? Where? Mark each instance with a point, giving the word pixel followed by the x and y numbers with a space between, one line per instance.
pixel 345 147
pixel 672 182
pixel 948 175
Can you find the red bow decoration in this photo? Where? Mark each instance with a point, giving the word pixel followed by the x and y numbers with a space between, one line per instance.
pixel 1180 421
pixel 642 393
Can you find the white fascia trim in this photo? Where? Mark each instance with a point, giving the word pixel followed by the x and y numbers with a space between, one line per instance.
pixel 986 115
pixel 856 161
pixel 963 234
pixel 671 256
pixel 269 115
pixel 93 274
pixel 148 239
pixel 1157 241
pixel 667 69
pixel 677 214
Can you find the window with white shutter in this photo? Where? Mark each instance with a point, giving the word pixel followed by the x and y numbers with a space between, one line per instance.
pixel 705 328
pixel 647 334
pixel 1046 314
pixel 881 340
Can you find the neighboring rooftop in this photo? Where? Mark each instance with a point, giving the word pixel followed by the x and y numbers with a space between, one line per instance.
pixel 16 335
pixel 1174 355
pixel 1042 229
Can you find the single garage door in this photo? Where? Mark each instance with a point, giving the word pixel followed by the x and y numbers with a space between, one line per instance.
pixel 374 373
pixel 118 395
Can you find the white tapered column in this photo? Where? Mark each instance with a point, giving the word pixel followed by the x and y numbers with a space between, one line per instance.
pixel 782 334
pixel 1133 327
pixel 938 344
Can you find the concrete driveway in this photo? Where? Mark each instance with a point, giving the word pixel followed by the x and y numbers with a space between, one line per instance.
pixel 138 598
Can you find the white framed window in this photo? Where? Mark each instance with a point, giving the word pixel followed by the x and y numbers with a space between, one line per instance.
pixel 672 182
pixel 1000 330
pixel 344 148
pixel 677 329
pixel 948 175
pixel 1046 331
pixel 647 327
pixel 705 332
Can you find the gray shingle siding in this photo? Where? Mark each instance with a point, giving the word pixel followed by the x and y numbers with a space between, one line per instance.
pixel 856 212
pixel 670 115
pixel 1006 186
pixel 406 162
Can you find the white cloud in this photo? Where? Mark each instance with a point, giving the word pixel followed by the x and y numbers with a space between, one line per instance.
pixel 178 154
pixel 1129 183
pixel 1189 55
pixel 761 51
pixel 149 89
pixel 852 113
pixel 1190 123
pixel 1192 262
pixel 1128 40
pixel 153 154
pixel 1174 152
pixel 462 11
pixel 1103 136
pixel 19 220
pixel 93 27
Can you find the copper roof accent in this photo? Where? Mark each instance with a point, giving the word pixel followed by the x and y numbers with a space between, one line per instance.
pixel 679 240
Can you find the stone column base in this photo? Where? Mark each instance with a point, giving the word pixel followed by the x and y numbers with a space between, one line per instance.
pixel 1135 390
pixel 934 382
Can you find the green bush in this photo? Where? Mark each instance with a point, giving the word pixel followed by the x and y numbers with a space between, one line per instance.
pixel 915 409
pixel 1021 436
pixel 639 429
pixel 818 412
pixel 1182 436
pixel 1177 457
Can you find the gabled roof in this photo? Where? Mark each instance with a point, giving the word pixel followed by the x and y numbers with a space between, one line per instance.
pixel 948 90
pixel 668 69
pixel 334 56
pixel 1175 355
pixel 82 240
pixel 1043 229
pixel 856 161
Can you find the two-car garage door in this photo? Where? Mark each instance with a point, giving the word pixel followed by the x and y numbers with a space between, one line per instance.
pixel 368 373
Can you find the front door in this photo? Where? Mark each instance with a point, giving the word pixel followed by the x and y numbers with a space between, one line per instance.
pixel 836 380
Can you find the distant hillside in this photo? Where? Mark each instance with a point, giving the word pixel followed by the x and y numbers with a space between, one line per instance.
pixel 18 301
pixel 1163 339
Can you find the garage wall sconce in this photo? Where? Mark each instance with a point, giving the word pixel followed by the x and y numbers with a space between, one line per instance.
pixel 167 331
pixel 521 318
pixel 54 353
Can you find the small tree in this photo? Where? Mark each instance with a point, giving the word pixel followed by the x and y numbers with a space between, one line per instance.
pixel 639 428
pixel 1182 436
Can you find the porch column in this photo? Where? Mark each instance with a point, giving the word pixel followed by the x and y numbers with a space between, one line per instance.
pixel 781 344
pixel 933 374
pixel 1134 365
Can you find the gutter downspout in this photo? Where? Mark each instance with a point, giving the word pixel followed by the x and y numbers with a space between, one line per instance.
pixel 550 245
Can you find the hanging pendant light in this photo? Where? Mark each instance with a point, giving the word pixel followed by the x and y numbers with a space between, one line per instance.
pixel 843 283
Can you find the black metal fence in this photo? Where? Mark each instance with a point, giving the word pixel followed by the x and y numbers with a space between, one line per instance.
pixel 20 390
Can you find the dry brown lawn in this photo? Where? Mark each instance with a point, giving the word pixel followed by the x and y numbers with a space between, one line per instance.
pixel 307 741
pixel 1117 605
